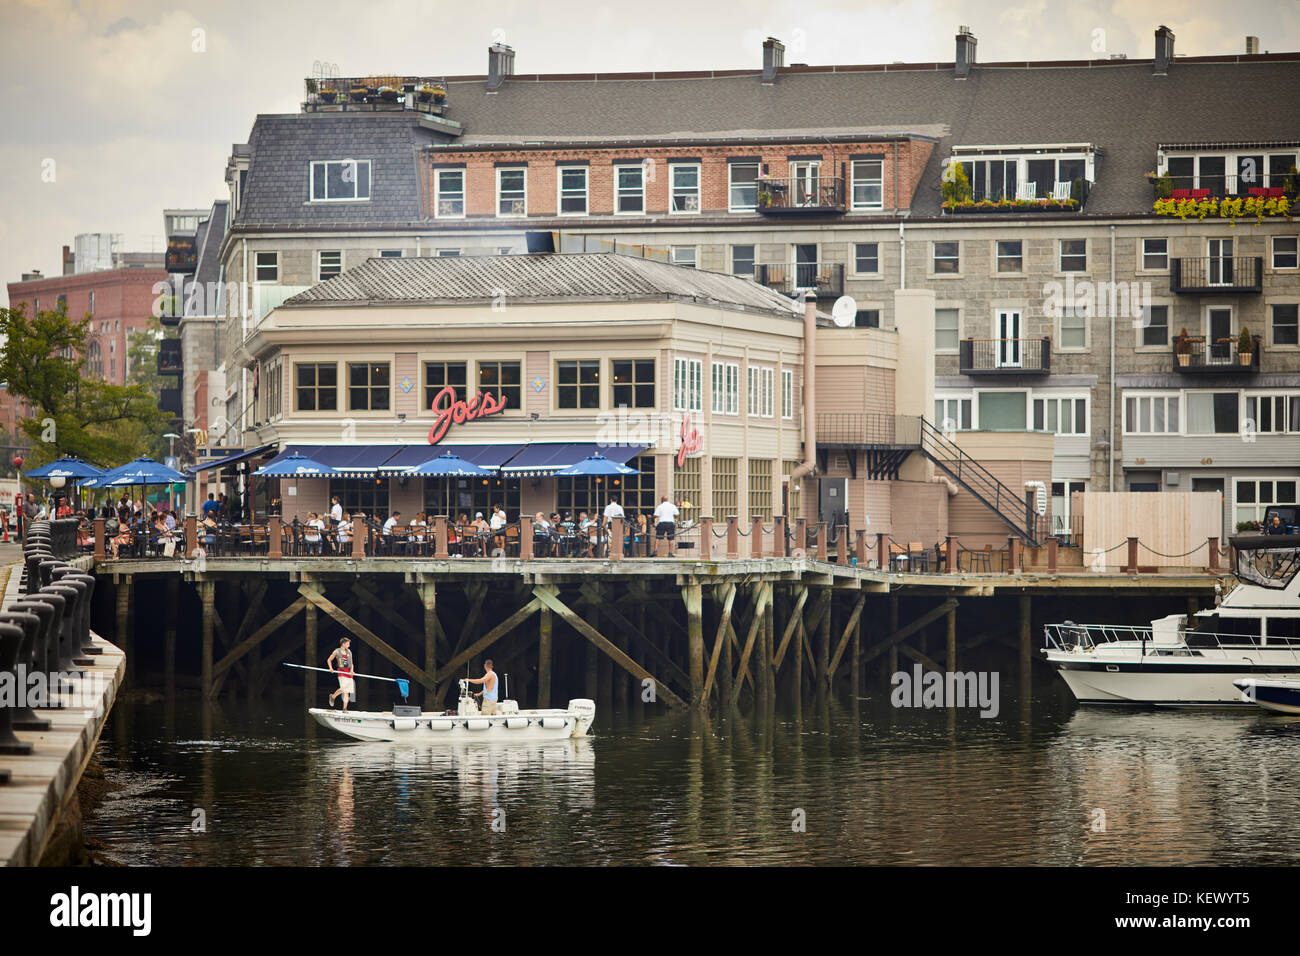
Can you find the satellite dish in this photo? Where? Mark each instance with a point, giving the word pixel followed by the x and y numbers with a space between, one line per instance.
pixel 845 311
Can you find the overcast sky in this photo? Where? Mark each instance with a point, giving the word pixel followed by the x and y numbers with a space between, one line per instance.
pixel 128 110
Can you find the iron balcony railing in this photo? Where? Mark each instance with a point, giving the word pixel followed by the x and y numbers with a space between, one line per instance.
pixel 1005 356
pixel 1194 356
pixel 802 194
pixel 1023 197
pixel 169 357
pixel 1209 275
pixel 866 430
pixel 824 278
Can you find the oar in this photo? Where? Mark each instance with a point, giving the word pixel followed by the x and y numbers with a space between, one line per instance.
pixel 403 685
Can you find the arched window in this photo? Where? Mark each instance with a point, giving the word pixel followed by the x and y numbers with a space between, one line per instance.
pixel 95 359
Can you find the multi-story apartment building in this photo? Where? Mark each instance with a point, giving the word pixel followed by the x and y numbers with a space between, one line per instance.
pixel 1023 194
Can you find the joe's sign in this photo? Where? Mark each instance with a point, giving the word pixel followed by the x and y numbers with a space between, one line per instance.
pixel 692 441
pixel 451 411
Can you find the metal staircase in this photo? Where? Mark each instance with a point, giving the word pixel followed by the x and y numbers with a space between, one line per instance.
pixel 981 483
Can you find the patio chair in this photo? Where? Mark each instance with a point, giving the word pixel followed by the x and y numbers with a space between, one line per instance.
pixel 982 560
pixel 513 542
pixel 918 556
pixel 897 557
pixel 1027 191
pixel 1061 191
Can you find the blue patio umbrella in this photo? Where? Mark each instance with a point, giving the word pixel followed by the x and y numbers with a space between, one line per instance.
pixel 596 464
pixel 73 468
pixel 140 471
pixel 450 465
pixel 295 466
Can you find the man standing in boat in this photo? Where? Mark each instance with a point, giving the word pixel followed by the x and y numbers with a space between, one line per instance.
pixel 489 693
pixel 347 685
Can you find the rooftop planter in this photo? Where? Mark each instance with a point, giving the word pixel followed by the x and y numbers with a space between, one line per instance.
pixel 1225 208
pixel 958 207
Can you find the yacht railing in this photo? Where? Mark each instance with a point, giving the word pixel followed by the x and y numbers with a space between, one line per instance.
pixel 1068 636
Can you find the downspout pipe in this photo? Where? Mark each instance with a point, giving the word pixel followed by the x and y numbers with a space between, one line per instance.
pixel 1110 448
pixel 809 464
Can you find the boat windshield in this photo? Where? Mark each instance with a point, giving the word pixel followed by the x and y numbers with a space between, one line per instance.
pixel 1267 561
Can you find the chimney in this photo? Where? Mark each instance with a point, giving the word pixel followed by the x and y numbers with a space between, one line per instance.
pixel 32 276
pixel 965 52
pixel 1252 46
pixel 69 262
pixel 1164 50
pixel 773 58
pixel 501 63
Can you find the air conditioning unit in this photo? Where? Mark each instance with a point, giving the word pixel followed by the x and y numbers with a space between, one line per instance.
pixel 692 203
pixel 451 207
pixel 518 207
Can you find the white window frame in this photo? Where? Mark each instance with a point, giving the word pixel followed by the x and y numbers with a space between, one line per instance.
pixel 957 348
pixel 1142 255
pixel 1288 397
pixel 733 388
pixel 1170 335
pixel 311 180
pixel 948 399
pixel 1073 311
pixel 513 214
pixel 731 252
pixel 998 257
pixel 760 398
pixel 1231 164
pixel 688 385
pixel 725 396
pixel 560 196
pixel 1270 308
pixel 619 168
pixel 320 263
pixel 874 273
pixel 969 155
pixel 975 405
pixel 392 254
pixel 1272 257
pixel 258 267
pixel 1060 256
pixel 694 251
pixel 854 179
pixel 758 172
pixel 1129 428
pixel 1261 507
pixel 438 193
pixel 944 275
pixel 787 393
pixel 1058 398
pixel 1186 419
pixel 674 191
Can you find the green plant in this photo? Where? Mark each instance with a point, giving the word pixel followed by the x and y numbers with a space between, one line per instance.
pixel 1291 183
pixel 764 198
pixel 1245 344
pixel 311 86
pixel 1182 344
pixel 1164 185
pixel 956 186
pixel 1247 526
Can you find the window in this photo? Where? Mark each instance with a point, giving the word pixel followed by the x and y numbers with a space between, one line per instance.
pixel 992 178
pixel 742 187
pixel 328 264
pixel 688 382
pixel 946 330
pixel 448 253
pixel 742 261
pixel 440 375
pixel 1212 413
pixel 341 180
pixel 868 177
pixel 1155 326
pixel 1001 411
pixel 503 380
pixel 368 386
pixel 1010 255
pixel 760 488
pixel 725 394
pixel 760 391
pixel 787 393
pixel 634 382
pixel 686 482
pixel 1151 415
pixel 316 385
pixel 953 414
pixel 266 266
pixel 1284 252
pixel 449 194
pixel 629 189
pixel 1252 496
pixel 1074 327
pixel 91 307
pixel 573 190
pixel 1274 414
pixel 1074 255
pixel 390 253
pixel 1229 173
pixel 1155 255
pixel 1285 329
pixel 682 256
pixel 946 258
pixel 866 319
pixel 274 389
pixel 577 384
pixel 635 492
pixel 866 258
pixel 725 500
pixel 685 187
pixel 1062 416
pixel 361 496
pixel 512 191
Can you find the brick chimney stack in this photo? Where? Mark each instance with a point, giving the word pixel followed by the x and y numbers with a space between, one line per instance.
pixel 965 52
pixel 773 58
pixel 1164 50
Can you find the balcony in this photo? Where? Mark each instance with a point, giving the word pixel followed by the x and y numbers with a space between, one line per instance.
pixel 169 357
pixel 1221 357
pixel 868 430
pixel 824 278
pixel 1005 356
pixel 1028 198
pixel 818 195
pixel 1216 275
pixel 169 400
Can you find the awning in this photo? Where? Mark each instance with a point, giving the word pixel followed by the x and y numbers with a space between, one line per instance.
pixel 234 458
pixel 485 456
pixel 351 461
pixel 546 458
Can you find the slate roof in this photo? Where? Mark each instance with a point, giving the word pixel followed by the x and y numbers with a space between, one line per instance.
pixel 1117 105
pixel 207 271
pixel 581 276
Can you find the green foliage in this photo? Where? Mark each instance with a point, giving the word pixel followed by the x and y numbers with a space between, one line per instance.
pixel 43 362
pixel 1245 344
pixel 956 186
pixel 1164 185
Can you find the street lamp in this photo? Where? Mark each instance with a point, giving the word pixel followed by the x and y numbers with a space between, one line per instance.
pixel 19 501
pixel 171 454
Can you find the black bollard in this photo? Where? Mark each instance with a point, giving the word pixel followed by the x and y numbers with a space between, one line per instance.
pixel 68 645
pixel 24 718
pixel 70 573
pixel 11 638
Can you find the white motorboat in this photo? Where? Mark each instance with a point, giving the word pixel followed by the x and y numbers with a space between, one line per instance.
pixel 1277 694
pixel 410 724
pixel 1254 633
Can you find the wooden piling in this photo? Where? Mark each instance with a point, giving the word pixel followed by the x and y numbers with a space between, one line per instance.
pixel 170 609
pixel 855 653
pixel 545 627
pixel 429 599
pixel 125 639
pixel 1026 645
pixel 693 596
pixel 208 599
pixel 892 659
pixel 824 642
pixel 311 653
pixel 951 651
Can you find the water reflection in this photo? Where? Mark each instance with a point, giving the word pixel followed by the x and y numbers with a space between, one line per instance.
pixel 842 781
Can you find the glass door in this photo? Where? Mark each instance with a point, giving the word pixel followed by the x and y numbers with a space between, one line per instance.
pixel 1219 340
pixel 1008 344
pixel 805 265
pixel 804 183
pixel 1220 261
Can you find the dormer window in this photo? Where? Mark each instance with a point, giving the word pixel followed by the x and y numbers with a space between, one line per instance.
pixel 1058 173
pixel 340 180
pixel 1228 170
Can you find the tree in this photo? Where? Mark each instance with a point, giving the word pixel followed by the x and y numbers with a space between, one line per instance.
pixel 43 362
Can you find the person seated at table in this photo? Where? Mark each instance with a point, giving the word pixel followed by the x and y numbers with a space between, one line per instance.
pixel 389 530
pixel 311 532
pixel 543 537
pixel 343 533
pixel 121 531
pixel 418 531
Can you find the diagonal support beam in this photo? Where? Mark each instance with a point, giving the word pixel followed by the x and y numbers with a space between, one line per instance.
pixel 790 626
pixel 760 605
pixel 903 633
pixel 723 624
pixel 448 670
pixel 246 645
pixel 386 650
pixel 611 609
pixel 844 638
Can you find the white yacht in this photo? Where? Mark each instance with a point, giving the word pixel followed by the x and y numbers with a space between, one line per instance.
pixel 1253 633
